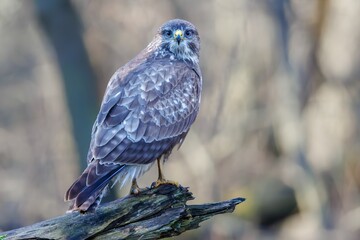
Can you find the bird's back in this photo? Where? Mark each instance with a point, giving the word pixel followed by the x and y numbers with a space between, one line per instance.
pixel 148 108
pixel 154 103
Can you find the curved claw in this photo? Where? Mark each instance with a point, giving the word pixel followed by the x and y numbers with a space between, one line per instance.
pixel 162 182
pixel 135 189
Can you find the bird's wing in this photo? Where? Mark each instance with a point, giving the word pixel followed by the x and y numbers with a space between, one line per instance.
pixel 146 114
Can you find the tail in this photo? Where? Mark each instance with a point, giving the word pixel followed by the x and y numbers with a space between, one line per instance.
pixel 88 189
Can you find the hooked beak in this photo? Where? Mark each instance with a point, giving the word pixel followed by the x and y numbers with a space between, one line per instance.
pixel 178 36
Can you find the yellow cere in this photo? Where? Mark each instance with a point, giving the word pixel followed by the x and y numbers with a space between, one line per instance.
pixel 178 33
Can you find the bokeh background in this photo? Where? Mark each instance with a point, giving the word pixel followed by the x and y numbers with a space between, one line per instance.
pixel 279 121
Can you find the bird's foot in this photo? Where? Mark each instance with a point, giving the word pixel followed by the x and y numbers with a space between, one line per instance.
pixel 135 189
pixel 162 182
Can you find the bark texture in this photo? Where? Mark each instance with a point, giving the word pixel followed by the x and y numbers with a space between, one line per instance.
pixel 153 214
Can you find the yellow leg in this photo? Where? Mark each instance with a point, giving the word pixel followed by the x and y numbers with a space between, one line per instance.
pixel 161 176
pixel 161 180
pixel 135 188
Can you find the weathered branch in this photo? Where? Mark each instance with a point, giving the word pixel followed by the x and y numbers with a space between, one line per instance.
pixel 155 213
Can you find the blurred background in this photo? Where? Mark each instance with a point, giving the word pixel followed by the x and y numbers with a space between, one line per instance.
pixel 279 121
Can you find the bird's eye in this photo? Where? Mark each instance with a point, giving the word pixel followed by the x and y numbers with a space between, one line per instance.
pixel 189 33
pixel 167 33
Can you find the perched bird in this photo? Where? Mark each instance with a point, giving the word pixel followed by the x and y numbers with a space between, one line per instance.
pixel 148 108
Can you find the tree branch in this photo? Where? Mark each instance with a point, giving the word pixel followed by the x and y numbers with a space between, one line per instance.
pixel 153 214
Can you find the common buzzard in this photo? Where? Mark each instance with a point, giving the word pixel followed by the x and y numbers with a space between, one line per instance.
pixel 148 108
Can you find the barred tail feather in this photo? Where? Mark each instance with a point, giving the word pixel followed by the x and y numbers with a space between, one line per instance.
pixel 86 192
pixel 89 187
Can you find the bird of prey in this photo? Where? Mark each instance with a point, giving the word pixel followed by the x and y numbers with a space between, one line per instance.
pixel 148 108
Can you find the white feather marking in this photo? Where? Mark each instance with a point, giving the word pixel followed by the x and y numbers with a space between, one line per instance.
pixel 130 172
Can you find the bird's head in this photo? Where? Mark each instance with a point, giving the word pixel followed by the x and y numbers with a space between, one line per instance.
pixel 179 38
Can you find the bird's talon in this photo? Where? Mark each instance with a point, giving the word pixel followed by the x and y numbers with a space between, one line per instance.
pixel 162 182
pixel 135 189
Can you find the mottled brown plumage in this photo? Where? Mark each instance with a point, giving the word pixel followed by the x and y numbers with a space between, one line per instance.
pixel 148 108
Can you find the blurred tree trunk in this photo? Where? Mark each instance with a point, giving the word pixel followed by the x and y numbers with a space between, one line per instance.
pixel 296 84
pixel 62 27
